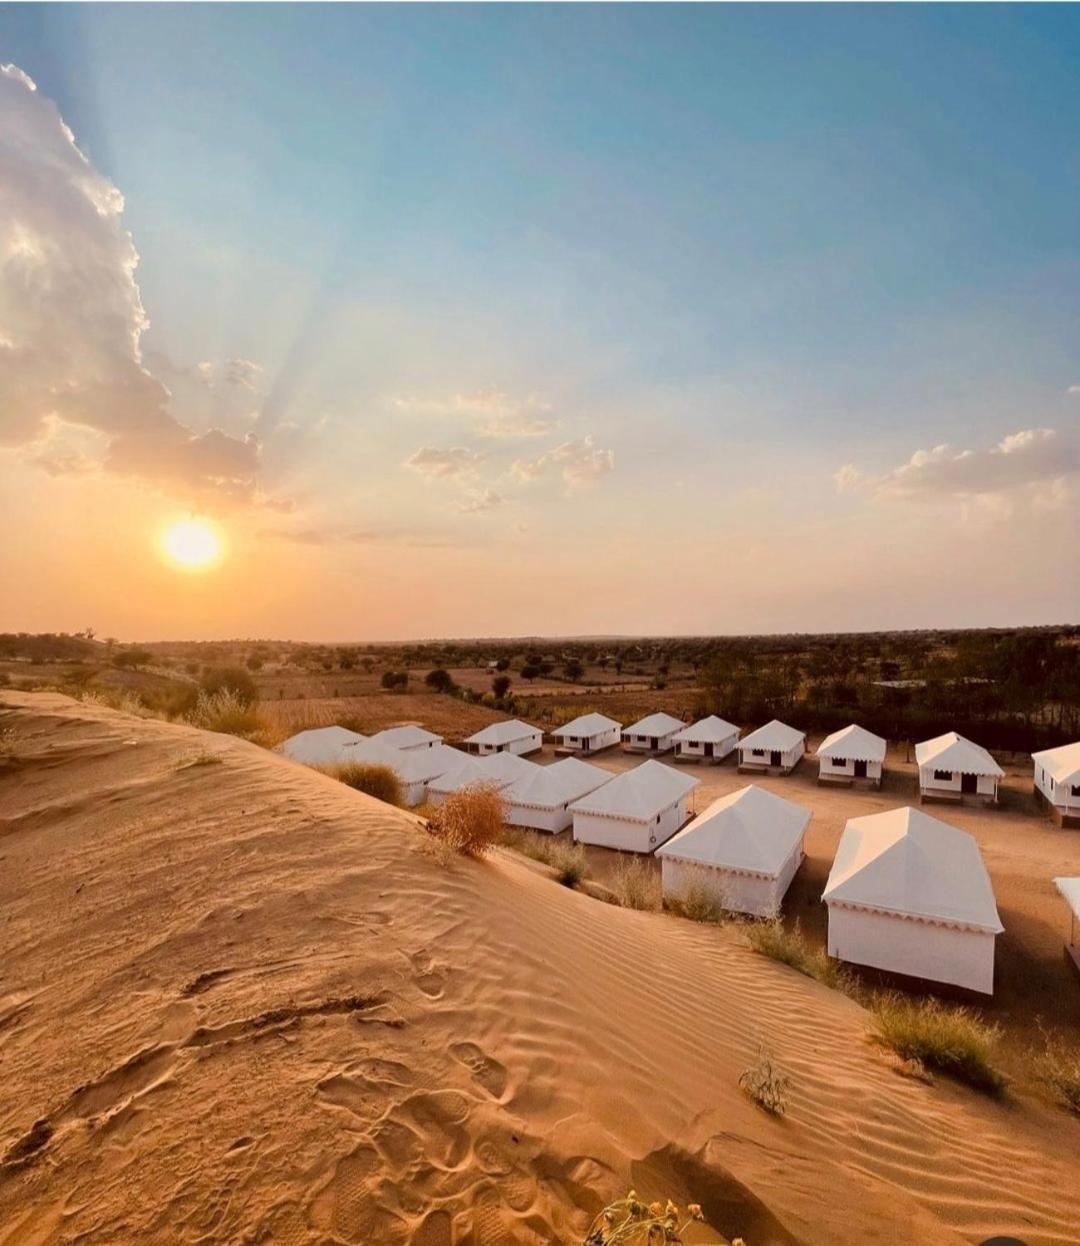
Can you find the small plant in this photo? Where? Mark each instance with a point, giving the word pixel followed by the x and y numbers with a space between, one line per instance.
pixel 698 903
pixel 1058 1068
pixel 470 820
pixel 630 1222
pixel 773 939
pixel 378 781
pixel 951 1039
pixel 636 886
pixel 568 861
pixel 765 1084
pixel 227 713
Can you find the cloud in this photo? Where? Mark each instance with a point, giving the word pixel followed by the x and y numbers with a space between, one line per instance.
pixel 1073 389
pixel 493 412
pixel 328 537
pixel 71 317
pixel 579 462
pixel 847 478
pixel 481 502
pixel 451 462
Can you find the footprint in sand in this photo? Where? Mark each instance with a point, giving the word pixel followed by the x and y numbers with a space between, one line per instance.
pixel 440 1119
pixel 429 977
pixel 384 1072
pixel 488 1073
pixel 436 1229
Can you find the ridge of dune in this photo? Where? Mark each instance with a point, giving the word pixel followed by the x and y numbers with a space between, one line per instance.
pixel 240 1002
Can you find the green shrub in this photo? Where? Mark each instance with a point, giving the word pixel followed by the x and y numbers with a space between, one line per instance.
pixel 948 1038
pixel 378 781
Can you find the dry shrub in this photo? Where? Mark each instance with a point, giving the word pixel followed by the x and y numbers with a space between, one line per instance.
pixel 765 1084
pixel 698 903
pixel 567 859
pixel 225 712
pixel 378 781
pixel 773 939
pixel 949 1038
pixel 630 1222
pixel 1058 1068
pixel 470 820
pixel 636 886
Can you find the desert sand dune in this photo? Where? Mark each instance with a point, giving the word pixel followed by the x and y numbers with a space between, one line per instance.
pixel 242 1003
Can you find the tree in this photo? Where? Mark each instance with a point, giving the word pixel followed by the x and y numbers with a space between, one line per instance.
pixel 439 680
pixel 132 659
pixel 254 662
pixel 232 679
pixel 529 671
pixel 502 664
pixel 395 679
pixel 573 670
pixel 500 685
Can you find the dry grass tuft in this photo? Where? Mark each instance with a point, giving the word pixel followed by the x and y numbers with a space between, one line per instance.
pixel 698 903
pixel 773 939
pixel 948 1038
pixel 470 821
pixel 765 1084
pixel 567 859
pixel 631 1222
pixel 225 712
pixel 636 886
pixel 1058 1068
pixel 378 781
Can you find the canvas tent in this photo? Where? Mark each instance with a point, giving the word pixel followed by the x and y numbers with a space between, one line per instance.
pixel 709 739
pixel 496 769
pixel 775 748
pixel 321 746
pixel 542 798
pixel 744 849
pixel 951 768
pixel 587 734
pixel 512 736
pixel 654 734
pixel 638 810
pixel 414 767
pixel 1070 891
pixel 851 755
pixel 1057 780
pixel 910 894
pixel 409 736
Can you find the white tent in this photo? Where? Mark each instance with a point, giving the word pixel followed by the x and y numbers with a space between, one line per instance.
pixel 495 769
pixel 321 746
pixel 542 798
pixel 851 755
pixel 1057 778
pixel 709 739
pixel 414 767
pixel 1070 890
pixel 775 748
pixel 654 734
pixel 745 849
pixel 587 734
pixel 636 811
pixel 409 736
pixel 511 736
pixel 911 895
pixel 951 768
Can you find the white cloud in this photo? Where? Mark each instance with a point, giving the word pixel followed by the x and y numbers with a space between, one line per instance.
pixel 478 503
pixel 71 317
pixel 492 412
pixel 847 478
pixel 449 462
pixel 579 462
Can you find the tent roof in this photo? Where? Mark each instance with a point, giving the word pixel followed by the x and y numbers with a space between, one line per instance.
pixel 500 769
pixel 321 745
pixel 752 831
pixel 408 736
pixel 911 864
pixel 587 725
pixel 1070 889
pixel 655 724
pixel 415 765
pixel 1063 764
pixel 952 752
pixel 639 794
pixel 503 732
pixel 711 730
pixel 548 787
pixel 774 736
pixel 853 742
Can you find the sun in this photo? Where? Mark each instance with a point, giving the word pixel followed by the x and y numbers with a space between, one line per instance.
pixel 193 544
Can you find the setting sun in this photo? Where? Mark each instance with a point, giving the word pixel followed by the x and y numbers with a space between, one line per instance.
pixel 192 543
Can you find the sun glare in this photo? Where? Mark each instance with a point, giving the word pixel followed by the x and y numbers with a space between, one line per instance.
pixel 191 543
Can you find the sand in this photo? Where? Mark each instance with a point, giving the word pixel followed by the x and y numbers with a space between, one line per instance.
pixel 241 1003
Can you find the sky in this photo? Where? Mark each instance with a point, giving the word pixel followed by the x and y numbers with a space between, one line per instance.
pixel 477 320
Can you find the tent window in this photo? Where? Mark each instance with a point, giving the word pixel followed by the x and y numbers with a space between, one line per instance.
pixel 758 752
pixel 944 775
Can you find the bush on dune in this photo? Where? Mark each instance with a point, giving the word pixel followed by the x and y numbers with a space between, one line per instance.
pixel 1058 1068
pixel 636 886
pixel 943 1037
pixel 698 903
pixel 773 939
pixel 469 821
pixel 567 859
pixel 378 781
pixel 227 713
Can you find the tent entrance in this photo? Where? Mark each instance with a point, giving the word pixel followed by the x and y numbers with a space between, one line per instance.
pixel 860 770
pixel 709 749
pixel 775 758
pixel 969 784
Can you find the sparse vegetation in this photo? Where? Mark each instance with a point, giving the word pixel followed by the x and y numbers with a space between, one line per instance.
pixel 566 858
pixel 698 903
pixel 1058 1068
pixel 470 821
pixel 766 1084
pixel 636 886
pixel 773 939
pixel 378 781
pixel 947 1038
pixel 234 680
pixel 630 1222
pixel 224 711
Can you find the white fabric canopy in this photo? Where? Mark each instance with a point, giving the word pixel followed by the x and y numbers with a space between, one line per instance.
pixel 853 743
pixel 503 733
pixel 752 830
pixel 550 787
pixel 638 794
pixel 587 725
pixel 409 736
pixel 1062 764
pixel 775 737
pixel 322 746
pixel 1070 889
pixel 711 730
pixel 655 724
pixel 952 752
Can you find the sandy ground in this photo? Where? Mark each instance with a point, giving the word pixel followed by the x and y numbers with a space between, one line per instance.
pixel 242 1003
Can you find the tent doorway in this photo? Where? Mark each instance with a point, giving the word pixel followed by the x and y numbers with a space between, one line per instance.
pixel 969 784
pixel 775 758
pixel 860 770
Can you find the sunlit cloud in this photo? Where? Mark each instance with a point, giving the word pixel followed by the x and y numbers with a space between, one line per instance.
pixel 493 413
pixel 578 462
pixel 444 462
pixel 479 503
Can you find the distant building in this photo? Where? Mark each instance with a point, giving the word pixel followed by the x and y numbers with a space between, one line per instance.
pixel 409 736
pixel 321 746
pixel 654 734
pixel 637 811
pixel 512 736
pixel 1057 780
pixel 542 799
pixel 588 734
pixel 497 770
pixel 775 748
pixel 952 768
pixel 851 756
pixel 709 740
